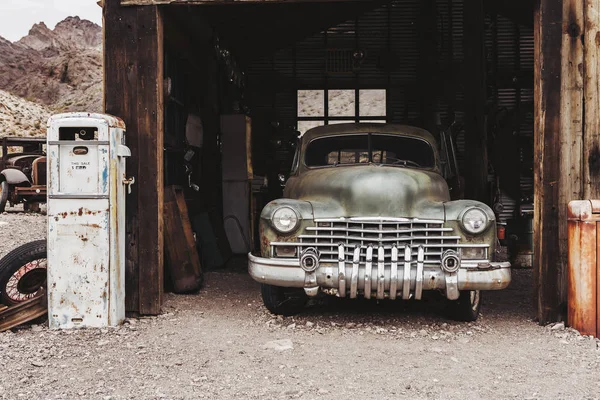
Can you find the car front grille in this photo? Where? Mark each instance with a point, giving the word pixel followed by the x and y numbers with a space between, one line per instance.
pixel 378 233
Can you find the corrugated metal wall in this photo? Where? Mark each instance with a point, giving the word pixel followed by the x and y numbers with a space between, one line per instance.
pixel 390 38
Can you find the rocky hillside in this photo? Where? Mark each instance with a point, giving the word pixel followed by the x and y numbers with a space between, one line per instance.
pixel 19 117
pixel 59 69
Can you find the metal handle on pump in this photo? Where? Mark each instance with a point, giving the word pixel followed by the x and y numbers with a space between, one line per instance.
pixel 129 182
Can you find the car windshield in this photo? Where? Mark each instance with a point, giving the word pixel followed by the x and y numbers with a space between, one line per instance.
pixel 369 148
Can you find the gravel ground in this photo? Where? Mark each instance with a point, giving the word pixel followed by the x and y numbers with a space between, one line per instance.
pixel 17 228
pixel 223 344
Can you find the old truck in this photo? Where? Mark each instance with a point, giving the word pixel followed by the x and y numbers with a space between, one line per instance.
pixel 22 172
pixel 367 211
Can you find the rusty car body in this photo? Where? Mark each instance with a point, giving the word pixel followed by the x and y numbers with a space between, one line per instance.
pixel 367 212
pixel 22 172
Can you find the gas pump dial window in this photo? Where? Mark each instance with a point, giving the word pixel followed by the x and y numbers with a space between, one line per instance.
pixel 78 133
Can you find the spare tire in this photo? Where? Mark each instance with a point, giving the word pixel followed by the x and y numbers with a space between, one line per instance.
pixel 23 272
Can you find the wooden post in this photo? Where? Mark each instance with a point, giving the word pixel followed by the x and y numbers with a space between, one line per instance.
pixel 476 157
pixel 559 137
pixel 591 86
pixel 133 90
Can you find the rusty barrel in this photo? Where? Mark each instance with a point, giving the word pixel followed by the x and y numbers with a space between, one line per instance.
pixel 583 273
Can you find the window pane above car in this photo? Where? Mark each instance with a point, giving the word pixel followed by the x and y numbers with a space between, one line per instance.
pixel 384 149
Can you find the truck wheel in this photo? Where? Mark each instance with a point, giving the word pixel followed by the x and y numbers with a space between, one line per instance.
pixel 23 272
pixel 467 307
pixel 283 301
pixel 4 189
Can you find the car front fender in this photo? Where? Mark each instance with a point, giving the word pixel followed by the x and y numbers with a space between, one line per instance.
pixel 14 177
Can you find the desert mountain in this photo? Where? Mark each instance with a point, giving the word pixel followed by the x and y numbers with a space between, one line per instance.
pixel 60 69
pixel 19 117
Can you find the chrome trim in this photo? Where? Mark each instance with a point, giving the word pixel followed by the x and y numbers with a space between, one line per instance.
pixel 452 292
pixel 432 246
pixel 394 239
pixel 355 271
pixel 419 279
pixel 368 271
pixel 380 274
pixel 394 274
pixel 357 230
pixel 450 254
pixel 406 278
pixel 342 271
pixel 380 220
pixel 287 273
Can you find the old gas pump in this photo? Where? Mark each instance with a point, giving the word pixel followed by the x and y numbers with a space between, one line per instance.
pixel 86 220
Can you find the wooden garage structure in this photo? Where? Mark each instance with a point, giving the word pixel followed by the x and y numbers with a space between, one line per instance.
pixel 433 58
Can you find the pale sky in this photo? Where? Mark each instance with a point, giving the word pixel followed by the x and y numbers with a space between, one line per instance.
pixel 18 16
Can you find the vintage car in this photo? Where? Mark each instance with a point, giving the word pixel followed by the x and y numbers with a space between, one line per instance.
pixel 367 212
pixel 22 172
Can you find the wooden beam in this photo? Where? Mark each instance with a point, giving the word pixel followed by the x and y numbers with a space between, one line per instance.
pixel 591 86
pixel 558 131
pixel 226 2
pixel 476 174
pixel 133 90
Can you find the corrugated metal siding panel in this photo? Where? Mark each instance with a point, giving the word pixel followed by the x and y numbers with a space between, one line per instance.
pixel 404 40
pixel 373 36
pixel 394 64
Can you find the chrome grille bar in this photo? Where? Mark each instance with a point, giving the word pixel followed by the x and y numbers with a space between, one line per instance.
pixel 406 281
pixel 419 280
pixel 368 270
pixel 342 271
pixel 388 231
pixel 394 274
pixel 380 274
pixel 343 238
pixel 379 220
pixel 354 278
pixel 381 239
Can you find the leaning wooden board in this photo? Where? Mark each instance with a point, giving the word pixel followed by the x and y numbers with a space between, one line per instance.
pixel 183 261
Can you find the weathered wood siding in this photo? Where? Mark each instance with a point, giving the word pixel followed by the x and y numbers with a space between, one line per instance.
pixel 567 135
pixel 133 90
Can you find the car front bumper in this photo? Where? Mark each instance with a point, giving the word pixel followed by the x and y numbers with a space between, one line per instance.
pixel 351 279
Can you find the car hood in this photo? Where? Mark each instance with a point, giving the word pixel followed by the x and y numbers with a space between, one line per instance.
pixel 371 191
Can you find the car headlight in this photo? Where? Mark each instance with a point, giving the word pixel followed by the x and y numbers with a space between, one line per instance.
pixel 474 220
pixel 285 219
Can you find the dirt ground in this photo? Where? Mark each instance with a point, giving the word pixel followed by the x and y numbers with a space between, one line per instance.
pixel 222 344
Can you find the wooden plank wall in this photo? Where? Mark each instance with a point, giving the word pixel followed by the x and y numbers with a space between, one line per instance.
pixel 133 90
pixel 567 136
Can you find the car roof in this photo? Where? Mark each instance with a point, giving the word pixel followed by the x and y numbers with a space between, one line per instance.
pixel 344 129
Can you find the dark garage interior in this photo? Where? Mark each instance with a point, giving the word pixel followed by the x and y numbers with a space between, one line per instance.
pixel 227 88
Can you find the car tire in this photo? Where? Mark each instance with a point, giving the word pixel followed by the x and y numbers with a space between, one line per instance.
pixel 4 189
pixel 27 260
pixel 283 301
pixel 466 307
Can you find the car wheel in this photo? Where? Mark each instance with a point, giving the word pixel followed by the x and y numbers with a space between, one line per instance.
pixel 283 301
pixel 467 307
pixel 4 189
pixel 23 272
